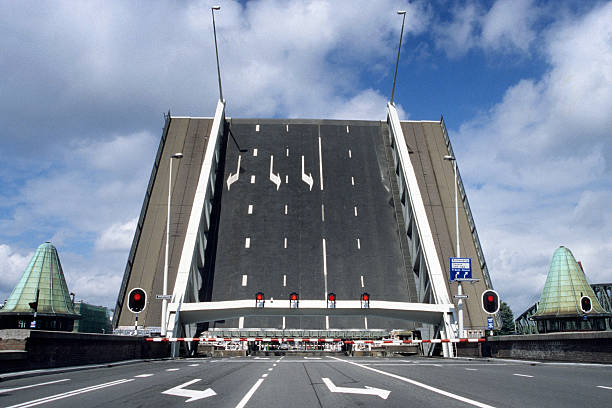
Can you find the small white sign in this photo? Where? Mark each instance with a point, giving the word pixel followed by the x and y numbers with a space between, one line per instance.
pixel 167 297
pixel 460 296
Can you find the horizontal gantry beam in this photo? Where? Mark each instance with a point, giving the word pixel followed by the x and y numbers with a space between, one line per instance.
pixel 210 311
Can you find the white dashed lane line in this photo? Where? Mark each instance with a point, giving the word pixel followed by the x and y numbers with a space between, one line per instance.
pixel 253 179
pixel 34 385
pixel 358 243
pixel 247 242
pixel 352 181
pixel 523 375
pixel 603 386
pixel 472 369
pixel 244 280
pixel 144 375
pixel 250 210
pixel 255 152
pixel 172 369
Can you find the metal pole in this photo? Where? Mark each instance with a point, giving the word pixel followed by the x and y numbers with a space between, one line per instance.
pixel 398 55
pixel 459 288
pixel 212 11
pixel 165 290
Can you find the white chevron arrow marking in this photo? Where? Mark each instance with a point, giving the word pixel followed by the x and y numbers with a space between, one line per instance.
pixel 307 178
pixel 275 178
pixel 234 177
pixel 384 394
pixel 193 395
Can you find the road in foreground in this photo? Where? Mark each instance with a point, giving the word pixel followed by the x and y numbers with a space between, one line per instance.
pixel 317 381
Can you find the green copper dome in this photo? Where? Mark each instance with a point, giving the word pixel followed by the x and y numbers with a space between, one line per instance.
pixel 565 285
pixel 43 280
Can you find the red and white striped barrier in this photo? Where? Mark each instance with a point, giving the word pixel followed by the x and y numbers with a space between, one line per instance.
pixel 310 340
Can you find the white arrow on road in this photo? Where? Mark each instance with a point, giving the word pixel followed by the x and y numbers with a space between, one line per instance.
pixel 193 395
pixel 384 394
pixel 275 178
pixel 306 178
pixel 234 177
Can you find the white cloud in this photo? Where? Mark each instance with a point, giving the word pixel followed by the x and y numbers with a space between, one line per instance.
pixel 538 166
pixel 117 237
pixel 12 266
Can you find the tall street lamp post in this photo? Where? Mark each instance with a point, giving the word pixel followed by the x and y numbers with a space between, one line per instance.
pixel 164 300
pixel 458 250
pixel 403 13
pixel 212 11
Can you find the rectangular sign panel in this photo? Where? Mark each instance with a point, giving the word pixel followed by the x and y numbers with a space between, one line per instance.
pixel 167 297
pixel 490 323
pixel 460 268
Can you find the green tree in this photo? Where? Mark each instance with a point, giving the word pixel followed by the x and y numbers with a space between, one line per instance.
pixel 507 319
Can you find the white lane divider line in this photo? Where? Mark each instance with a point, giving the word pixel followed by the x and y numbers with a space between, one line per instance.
pixel 33 385
pixel 194 365
pixel 287 179
pixel 355 210
pixel 472 369
pixel 274 365
pixel 320 160
pixel 172 369
pixel 325 266
pixel 285 244
pixel 284 319
pixel 67 394
pixel 250 210
pixel 365 323
pixel 286 208
pixel 232 178
pixel 253 179
pixel 264 375
pixel 275 178
pixel 350 154
pixel 347 129
pixel 257 128
pixel 270 369
pixel 244 280
pixel 147 375
pixel 287 128
pixel 326 322
pixel 523 375
pixel 254 152
pixel 247 242
pixel 358 243
pixel 284 284
pixel 307 178
pixel 287 152
pixel 241 322
pixel 322 213
pixel 362 285
pixel 352 180
pixel 603 386
pixel 420 384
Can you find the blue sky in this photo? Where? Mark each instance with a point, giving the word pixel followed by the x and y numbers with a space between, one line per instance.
pixel 525 88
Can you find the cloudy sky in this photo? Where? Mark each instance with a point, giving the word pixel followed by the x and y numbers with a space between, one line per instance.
pixel 525 88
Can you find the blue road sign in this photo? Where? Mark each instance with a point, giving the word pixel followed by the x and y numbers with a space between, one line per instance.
pixel 490 323
pixel 460 268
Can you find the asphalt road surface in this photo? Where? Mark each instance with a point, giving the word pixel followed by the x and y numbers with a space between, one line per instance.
pixel 317 382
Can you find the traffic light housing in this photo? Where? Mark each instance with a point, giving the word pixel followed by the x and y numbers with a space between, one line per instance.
pixel 260 299
pixel 490 301
pixel 137 300
pixel 365 300
pixel 293 300
pixel 331 300
pixel 585 304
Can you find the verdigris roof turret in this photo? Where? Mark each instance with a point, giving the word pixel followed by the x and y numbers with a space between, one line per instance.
pixel 565 285
pixel 43 280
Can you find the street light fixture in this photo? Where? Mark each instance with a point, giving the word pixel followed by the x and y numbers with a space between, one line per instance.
pixel 403 13
pixel 212 11
pixel 458 251
pixel 165 289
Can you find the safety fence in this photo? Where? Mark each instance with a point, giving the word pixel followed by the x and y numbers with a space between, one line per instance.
pixel 384 342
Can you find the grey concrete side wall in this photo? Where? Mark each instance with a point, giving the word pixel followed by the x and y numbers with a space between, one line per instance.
pixel 46 349
pixel 585 347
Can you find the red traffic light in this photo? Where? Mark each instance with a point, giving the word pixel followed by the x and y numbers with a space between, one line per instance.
pixel 259 299
pixel 586 304
pixel 365 300
pixel 293 296
pixel 490 301
pixel 259 296
pixel 365 297
pixel 331 297
pixel 137 300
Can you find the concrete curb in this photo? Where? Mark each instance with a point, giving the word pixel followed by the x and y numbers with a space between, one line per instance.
pixel 49 371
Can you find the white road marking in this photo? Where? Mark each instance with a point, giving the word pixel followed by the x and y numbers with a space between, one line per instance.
pixel 326 322
pixel 247 242
pixel 358 243
pixel 285 242
pixel 287 152
pixel 244 280
pixel 320 162
pixel 287 179
pixel 523 375
pixel 355 210
pixel 287 128
pixel 173 369
pixel 307 178
pixel 312 358
pixel 261 358
pixel 472 369
pixel 194 365
pixel 284 284
pixel 264 375
pixel 325 266
pixel 365 323
pixel 286 208
pixel 352 180
pixel 419 384
pixel 241 321
pixel 33 385
pixel 232 178
pixel 249 394
pixel 347 129
pixel 284 319
pixel 275 178
pixel 362 285
pixel 257 128
pixel 192 395
pixel 384 394
pixel 253 179
pixel 250 210
pixel 255 152
pixel 270 369
pixel 322 213
pixel 274 365
pixel 350 154
pixel 148 375
pixel 67 394
pixel 603 386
